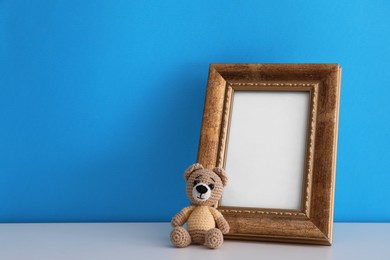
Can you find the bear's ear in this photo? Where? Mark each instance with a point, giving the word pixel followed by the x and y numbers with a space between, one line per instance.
pixel 191 169
pixel 222 174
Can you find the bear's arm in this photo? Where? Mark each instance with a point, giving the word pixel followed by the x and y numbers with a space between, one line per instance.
pixel 222 224
pixel 182 216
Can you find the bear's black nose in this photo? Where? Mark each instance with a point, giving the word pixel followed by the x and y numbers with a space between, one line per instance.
pixel 201 189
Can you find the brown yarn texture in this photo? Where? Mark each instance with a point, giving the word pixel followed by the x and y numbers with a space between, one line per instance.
pixel 205 224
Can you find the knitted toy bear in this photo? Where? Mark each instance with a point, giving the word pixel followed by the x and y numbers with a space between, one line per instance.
pixel 205 224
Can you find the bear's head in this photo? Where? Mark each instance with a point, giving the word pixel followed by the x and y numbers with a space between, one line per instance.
pixel 204 186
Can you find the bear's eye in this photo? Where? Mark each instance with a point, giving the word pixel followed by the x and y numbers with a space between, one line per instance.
pixel 196 182
pixel 211 186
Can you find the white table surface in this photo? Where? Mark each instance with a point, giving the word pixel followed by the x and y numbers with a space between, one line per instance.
pixel 151 241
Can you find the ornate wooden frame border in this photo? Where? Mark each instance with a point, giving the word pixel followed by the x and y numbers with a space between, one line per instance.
pixel 314 222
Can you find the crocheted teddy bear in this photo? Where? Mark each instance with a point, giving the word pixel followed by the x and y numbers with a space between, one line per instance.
pixel 205 224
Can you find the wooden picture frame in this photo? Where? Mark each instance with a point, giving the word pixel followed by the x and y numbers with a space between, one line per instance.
pixel 312 222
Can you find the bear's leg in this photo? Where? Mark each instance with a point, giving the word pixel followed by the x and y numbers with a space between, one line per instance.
pixel 213 238
pixel 180 237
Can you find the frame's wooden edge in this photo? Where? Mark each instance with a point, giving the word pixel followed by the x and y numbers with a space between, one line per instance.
pixel 220 67
pixel 337 79
pixel 298 240
pixel 289 228
pixel 212 111
pixel 275 71
pixel 329 116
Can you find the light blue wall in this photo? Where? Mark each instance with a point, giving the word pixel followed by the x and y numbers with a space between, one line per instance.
pixel 101 101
